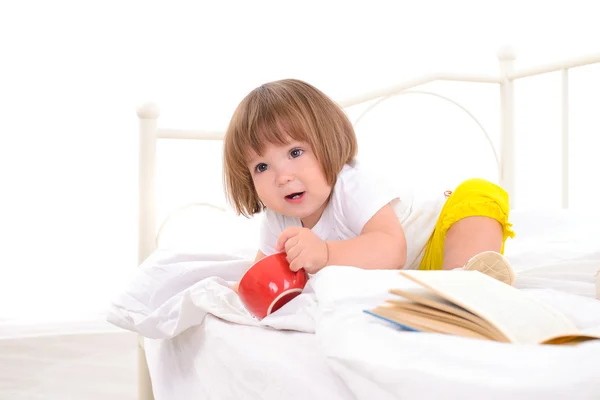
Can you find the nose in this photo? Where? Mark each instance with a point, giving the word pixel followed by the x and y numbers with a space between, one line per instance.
pixel 283 178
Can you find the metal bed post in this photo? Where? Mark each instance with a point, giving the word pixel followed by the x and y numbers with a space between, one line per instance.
pixel 506 58
pixel 148 133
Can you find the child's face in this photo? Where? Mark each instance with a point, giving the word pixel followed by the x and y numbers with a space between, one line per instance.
pixel 289 181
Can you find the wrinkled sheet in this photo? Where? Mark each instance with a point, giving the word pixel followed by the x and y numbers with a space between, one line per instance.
pixel 202 343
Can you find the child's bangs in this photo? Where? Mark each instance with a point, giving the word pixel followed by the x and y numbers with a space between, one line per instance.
pixel 277 129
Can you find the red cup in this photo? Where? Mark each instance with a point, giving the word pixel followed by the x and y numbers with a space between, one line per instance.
pixel 269 284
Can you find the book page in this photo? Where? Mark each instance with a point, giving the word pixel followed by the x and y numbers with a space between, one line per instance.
pixel 428 298
pixel 473 323
pixel 420 311
pixel 582 336
pixel 424 324
pixel 521 318
pixel 594 332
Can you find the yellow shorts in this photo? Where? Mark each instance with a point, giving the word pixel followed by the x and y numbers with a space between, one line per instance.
pixel 474 197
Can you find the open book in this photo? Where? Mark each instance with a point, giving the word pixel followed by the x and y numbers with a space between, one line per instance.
pixel 472 304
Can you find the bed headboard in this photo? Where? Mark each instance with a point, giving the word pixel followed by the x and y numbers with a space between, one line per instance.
pixel 150 132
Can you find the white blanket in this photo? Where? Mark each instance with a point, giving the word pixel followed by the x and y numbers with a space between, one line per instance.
pixel 173 292
pixel 378 362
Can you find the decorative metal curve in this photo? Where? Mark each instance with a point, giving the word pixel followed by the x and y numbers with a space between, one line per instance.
pixel 425 92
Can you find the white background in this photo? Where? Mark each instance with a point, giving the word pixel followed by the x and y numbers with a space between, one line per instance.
pixel 72 74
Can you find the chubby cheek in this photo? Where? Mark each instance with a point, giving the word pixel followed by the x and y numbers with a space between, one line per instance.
pixel 321 182
pixel 262 190
pixel 326 191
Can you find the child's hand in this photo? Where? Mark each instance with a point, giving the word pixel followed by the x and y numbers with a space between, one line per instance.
pixel 304 249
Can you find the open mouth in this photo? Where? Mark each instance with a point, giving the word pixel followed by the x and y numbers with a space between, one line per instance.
pixel 294 196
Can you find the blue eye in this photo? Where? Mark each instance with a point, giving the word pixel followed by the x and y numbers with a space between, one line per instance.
pixel 295 153
pixel 261 167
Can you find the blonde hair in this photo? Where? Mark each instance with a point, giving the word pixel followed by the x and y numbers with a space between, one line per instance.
pixel 277 113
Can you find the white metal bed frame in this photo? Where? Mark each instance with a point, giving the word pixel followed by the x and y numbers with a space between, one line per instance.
pixel 149 133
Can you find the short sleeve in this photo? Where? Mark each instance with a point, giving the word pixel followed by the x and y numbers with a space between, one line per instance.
pixel 361 196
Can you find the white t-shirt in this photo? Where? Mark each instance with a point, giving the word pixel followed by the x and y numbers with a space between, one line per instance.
pixel 356 197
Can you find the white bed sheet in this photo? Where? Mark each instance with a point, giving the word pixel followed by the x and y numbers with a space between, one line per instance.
pixel 362 358
pixel 224 360
pixel 354 356
pixel 377 361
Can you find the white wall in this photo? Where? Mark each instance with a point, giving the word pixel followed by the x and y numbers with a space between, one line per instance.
pixel 72 74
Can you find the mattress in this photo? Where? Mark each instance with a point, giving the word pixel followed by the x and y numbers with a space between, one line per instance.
pixel 353 356
pixel 223 360
pixel 203 343
pixel 379 361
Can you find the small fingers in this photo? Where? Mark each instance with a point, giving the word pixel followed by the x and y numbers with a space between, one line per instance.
pixel 292 253
pixel 284 236
pixel 298 262
pixel 291 243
